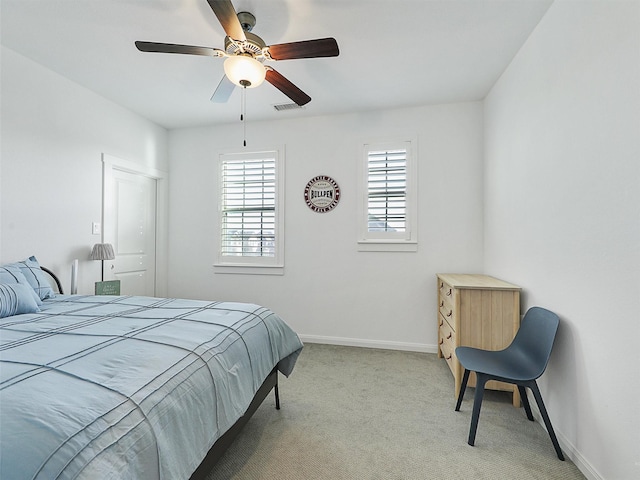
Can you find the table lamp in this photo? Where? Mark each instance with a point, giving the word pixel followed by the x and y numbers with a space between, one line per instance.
pixel 102 252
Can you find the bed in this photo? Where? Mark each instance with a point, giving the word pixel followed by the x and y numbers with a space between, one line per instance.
pixel 129 387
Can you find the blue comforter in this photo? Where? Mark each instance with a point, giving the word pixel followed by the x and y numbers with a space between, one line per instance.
pixel 97 387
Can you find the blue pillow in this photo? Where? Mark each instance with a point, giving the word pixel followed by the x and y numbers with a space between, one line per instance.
pixel 16 299
pixel 30 268
pixel 12 274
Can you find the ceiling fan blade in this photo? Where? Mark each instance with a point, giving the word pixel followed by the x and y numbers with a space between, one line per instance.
pixel 223 91
pixel 322 47
pixel 228 18
pixel 286 87
pixel 173 48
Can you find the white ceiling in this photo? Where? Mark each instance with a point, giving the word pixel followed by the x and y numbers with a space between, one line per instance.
pixel 393 53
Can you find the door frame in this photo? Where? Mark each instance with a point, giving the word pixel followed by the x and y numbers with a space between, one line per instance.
pixel 110 164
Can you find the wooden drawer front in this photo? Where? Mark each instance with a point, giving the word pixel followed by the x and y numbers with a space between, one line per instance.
pixel 447 340
pixel 446 292
pixel 447 313
pixel 447 302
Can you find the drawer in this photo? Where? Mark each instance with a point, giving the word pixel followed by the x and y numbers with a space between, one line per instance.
pixel 447 295
pixel 445 289
pixel 447 342
pixel 446 333
pixel 446 311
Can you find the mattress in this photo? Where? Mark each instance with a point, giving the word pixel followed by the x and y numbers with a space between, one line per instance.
pixel 130 387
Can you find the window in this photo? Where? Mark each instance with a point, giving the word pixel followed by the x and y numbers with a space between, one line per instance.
pixel 250 221
pixel 388 213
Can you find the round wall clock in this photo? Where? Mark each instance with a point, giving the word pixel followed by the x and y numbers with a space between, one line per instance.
pixel 322 194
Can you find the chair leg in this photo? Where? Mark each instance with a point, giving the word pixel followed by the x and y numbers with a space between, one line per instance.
pixel 545 417
pixel 477 403
pixel 525 402
pixel 463 387
pixel 277 393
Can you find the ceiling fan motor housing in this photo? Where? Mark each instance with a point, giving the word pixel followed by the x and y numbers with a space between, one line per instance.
pixel 253 45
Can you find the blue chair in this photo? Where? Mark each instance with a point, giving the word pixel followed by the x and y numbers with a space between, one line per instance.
pixel 521 363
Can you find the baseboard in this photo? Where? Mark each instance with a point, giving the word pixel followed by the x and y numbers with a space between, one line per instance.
pixel 576 457
pixel 567 447
pixel 357 342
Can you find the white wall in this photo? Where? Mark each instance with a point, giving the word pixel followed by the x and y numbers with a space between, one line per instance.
pixel 560 199
pixel 562 217
pixel 53 135
pixel 331 292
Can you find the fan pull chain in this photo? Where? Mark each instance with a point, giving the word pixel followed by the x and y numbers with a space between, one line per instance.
pixel 243 115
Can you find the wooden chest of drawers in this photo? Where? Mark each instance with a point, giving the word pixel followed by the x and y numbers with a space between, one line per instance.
pixel 476 311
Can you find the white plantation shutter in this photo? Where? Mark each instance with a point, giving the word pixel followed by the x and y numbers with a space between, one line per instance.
pixel 248 207
pixel 387 190
pixel 388 197
pixel 249 220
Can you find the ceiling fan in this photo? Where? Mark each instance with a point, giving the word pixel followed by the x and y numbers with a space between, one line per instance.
pixel 245 54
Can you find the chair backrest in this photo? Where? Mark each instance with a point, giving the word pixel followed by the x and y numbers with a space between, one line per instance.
pixel 535 337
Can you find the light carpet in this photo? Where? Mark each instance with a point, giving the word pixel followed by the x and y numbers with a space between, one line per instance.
pixel 367 414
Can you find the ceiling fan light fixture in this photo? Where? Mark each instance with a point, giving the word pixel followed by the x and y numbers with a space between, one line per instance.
pixel 245 53
pixel 244 71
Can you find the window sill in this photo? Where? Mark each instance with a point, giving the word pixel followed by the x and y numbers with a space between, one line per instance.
pixel 387 246
pixel 240 269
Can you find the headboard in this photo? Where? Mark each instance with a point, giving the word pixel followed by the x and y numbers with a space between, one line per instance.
pixel 55 278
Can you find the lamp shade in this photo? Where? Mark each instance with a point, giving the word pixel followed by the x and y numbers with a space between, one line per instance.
pixel 244 71
pixel 102 251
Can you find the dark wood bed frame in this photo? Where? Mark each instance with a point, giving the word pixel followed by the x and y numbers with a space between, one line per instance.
pixel 224 442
